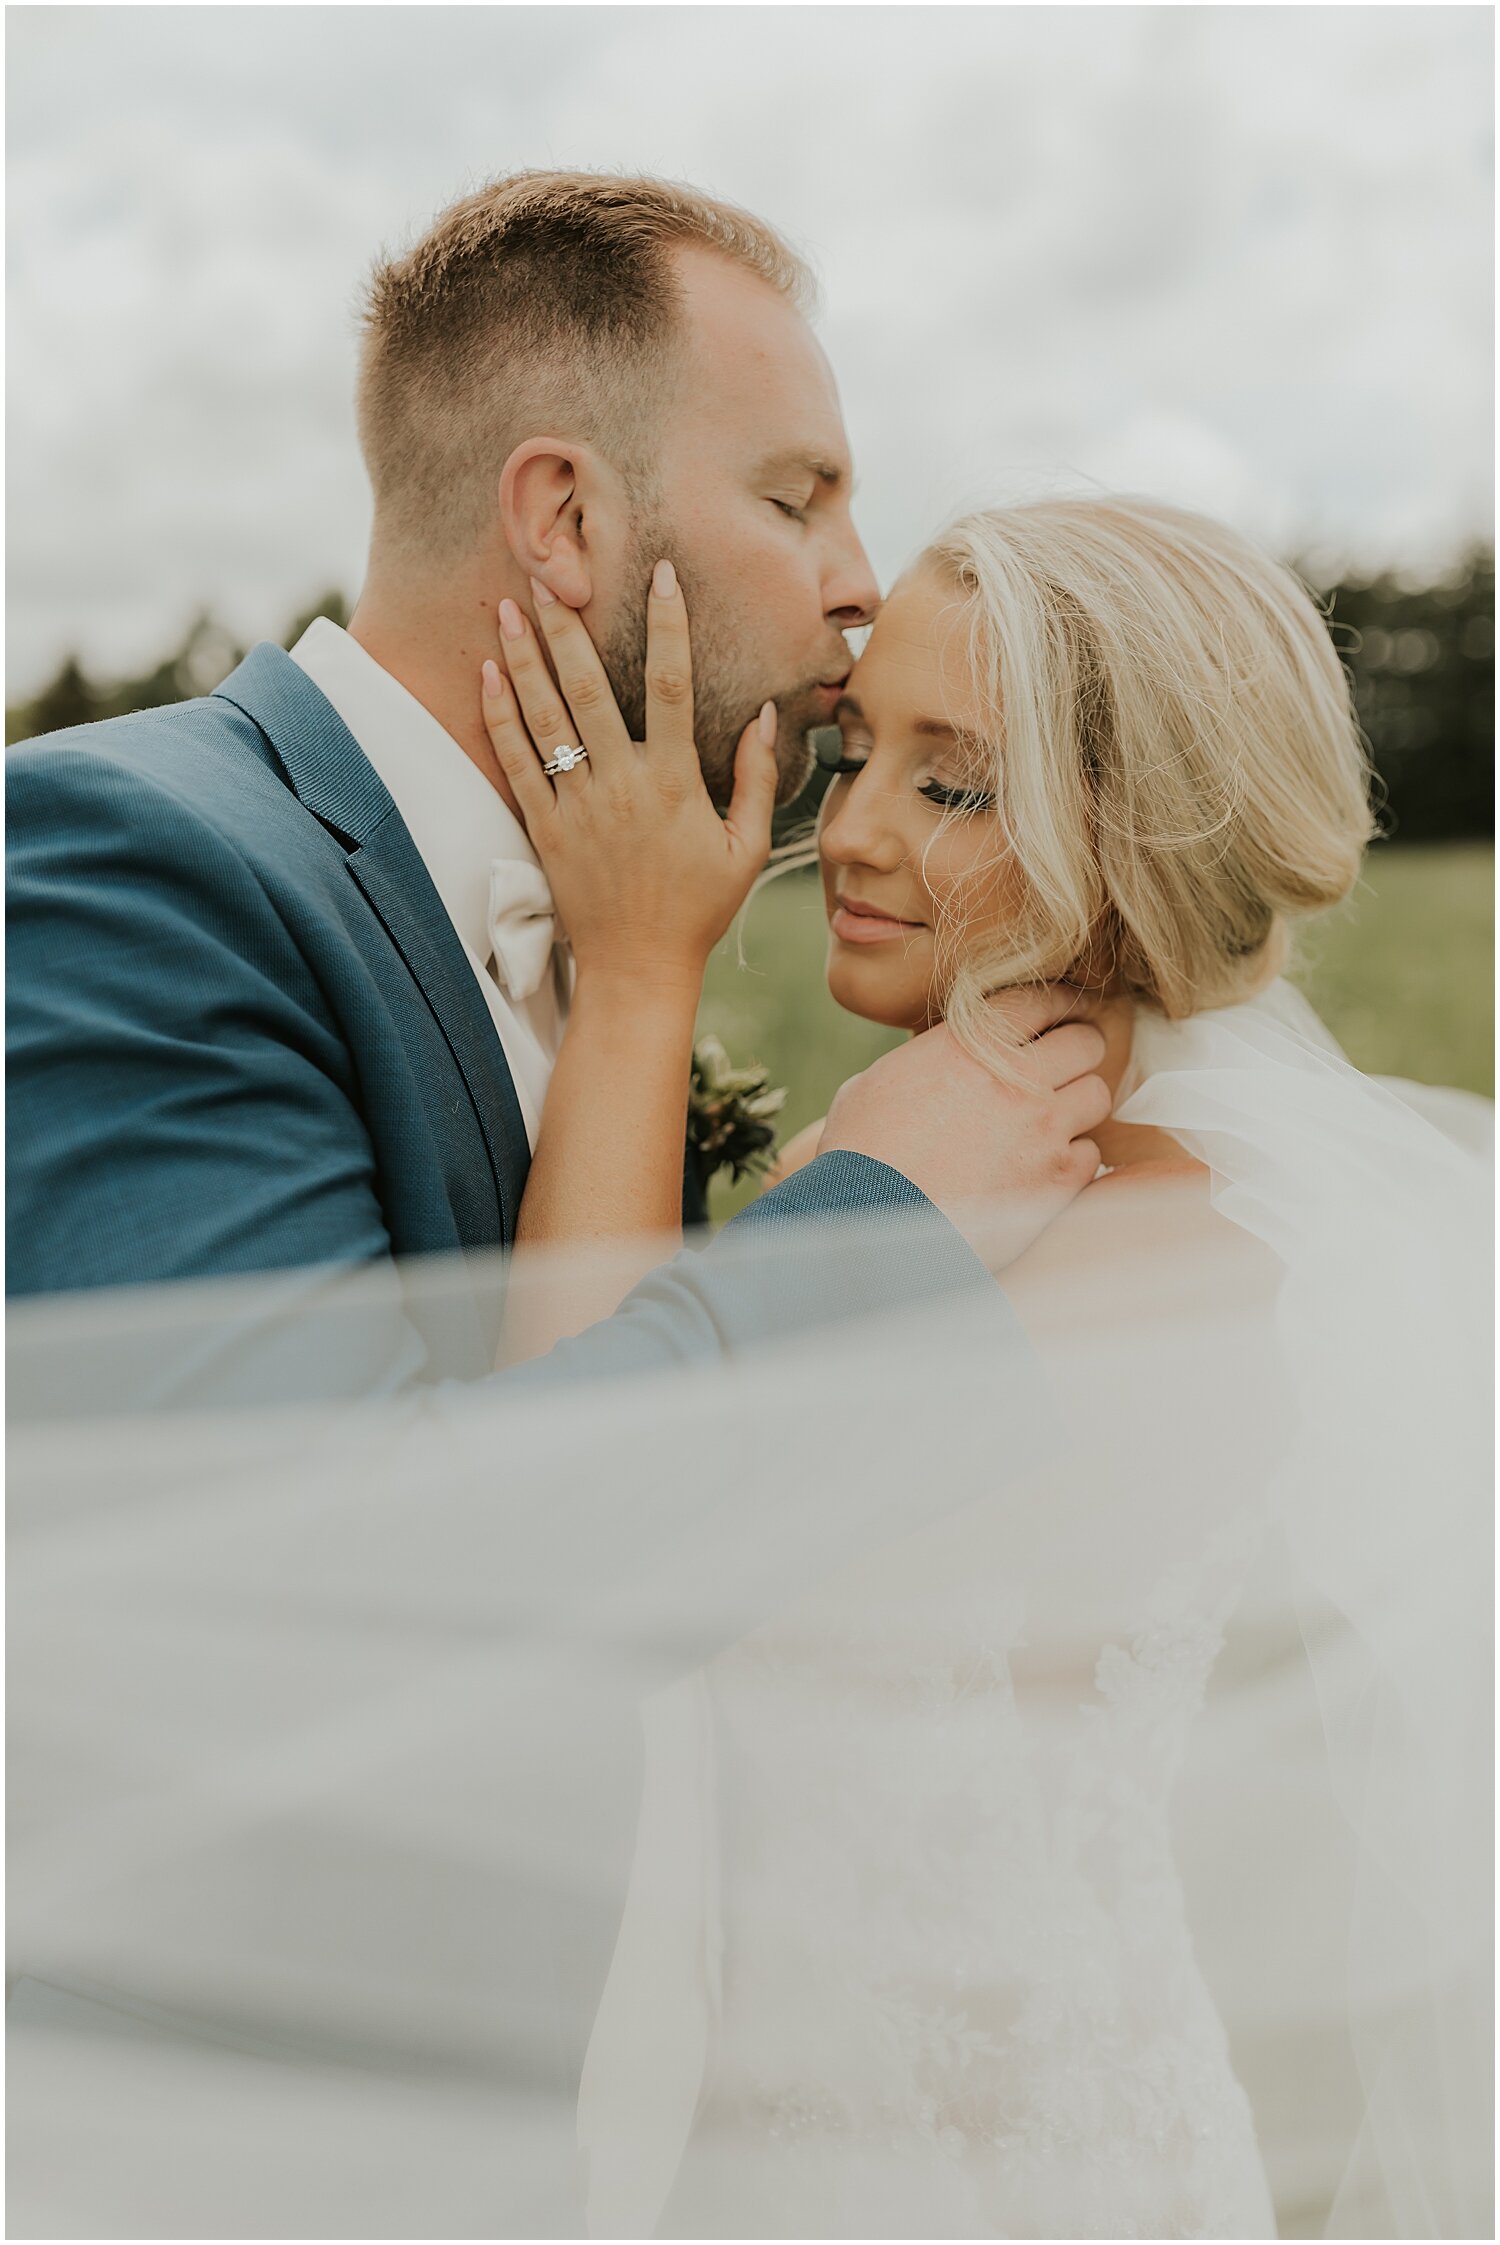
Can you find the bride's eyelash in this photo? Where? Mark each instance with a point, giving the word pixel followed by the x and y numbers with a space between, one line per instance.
pixel 945 798
pixel 957 798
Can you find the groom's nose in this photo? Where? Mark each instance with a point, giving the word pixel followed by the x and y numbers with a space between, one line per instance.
pixel 851 594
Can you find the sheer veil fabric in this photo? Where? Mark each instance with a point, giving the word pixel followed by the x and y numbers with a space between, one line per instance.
pixel 941 1974
pixel 1014 1768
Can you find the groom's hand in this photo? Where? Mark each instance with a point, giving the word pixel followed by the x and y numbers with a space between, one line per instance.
pixel 1001 1160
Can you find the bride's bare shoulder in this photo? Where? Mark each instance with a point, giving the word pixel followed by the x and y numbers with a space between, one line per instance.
pixel 795 1154
pixel 1143 1237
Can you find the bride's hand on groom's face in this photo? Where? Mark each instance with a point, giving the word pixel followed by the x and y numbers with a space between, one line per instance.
pixel 645 873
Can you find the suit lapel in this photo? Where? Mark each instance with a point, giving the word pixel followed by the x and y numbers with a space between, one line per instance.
pixel 334 780
pixel 395 883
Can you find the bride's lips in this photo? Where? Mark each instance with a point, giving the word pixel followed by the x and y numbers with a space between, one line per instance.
pixel 853 922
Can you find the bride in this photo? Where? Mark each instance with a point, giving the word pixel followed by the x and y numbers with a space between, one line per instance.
pixel 909 1949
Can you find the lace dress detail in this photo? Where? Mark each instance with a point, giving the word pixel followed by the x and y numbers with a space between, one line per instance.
pixel 958 1994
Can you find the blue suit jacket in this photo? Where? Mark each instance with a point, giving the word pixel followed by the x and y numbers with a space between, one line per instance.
pixel 243 1036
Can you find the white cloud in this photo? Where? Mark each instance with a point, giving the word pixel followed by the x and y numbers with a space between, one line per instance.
pixel 1240 254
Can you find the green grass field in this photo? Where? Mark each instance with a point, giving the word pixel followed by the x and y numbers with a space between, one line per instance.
pixel 1403 974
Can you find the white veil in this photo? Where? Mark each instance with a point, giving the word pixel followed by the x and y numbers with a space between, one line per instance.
pixel 1376 1197
pixel 326 1824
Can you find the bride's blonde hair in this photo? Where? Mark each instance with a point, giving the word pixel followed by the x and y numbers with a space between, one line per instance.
pixel 1177 769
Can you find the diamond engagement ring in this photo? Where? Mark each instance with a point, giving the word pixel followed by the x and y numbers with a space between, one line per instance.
pixel 565 759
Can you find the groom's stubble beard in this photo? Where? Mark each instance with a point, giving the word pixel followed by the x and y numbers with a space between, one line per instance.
pixel 725 697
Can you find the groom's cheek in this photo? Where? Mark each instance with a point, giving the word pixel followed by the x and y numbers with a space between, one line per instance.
pixel 625 668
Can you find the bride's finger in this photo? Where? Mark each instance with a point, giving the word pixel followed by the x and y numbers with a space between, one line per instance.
pixel 581 675
pixel 515 751
pixel 669 671
pixel 748 819
pixel 546 714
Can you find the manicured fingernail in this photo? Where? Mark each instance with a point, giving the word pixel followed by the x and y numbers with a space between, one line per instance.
pixel 491 675
pixel 767 723
pixel 664 580
pixel 540 594
pixel 512 622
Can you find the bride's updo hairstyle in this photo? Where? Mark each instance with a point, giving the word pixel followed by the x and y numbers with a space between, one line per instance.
pixel 1177 769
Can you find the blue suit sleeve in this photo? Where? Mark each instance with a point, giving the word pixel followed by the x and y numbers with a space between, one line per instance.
pixel 805 1255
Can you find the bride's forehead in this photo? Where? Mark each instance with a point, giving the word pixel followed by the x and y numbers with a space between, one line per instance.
pixel 918 651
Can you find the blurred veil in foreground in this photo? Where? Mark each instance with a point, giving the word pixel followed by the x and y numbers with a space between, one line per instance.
pixel 906 1780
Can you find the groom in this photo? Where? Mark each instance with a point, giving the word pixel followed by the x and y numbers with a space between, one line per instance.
pixel 277 996
pixel 278 1004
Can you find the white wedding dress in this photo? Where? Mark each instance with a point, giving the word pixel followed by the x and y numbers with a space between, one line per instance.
pixel 911 1948
pixel 1066 1802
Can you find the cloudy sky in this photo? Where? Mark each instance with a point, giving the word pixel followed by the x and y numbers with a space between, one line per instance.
pixel 1237 256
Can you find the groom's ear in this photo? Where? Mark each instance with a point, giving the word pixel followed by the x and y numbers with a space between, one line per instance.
pixel 545 497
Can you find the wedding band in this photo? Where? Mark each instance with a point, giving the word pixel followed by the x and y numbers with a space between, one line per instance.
pixel 565 759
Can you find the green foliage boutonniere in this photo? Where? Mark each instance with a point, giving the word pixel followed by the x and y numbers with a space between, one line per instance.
pixel 730 1113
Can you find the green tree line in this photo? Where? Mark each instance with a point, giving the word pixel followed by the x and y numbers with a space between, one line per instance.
pixel 1421 655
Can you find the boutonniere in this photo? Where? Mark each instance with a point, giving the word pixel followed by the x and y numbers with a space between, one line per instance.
pixel 730 1113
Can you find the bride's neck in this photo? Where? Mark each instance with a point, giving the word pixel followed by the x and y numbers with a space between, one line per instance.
pixel 1122 1144
pixel 1129 1145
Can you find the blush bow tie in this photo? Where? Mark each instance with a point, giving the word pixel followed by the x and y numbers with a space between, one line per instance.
pixel 523 926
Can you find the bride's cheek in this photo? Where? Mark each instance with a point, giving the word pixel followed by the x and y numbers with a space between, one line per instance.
pixel 981 904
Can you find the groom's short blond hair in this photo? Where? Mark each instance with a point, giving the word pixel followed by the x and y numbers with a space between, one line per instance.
pixel 545 304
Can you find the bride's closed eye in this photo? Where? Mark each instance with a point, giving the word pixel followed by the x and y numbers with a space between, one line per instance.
pixel 848 764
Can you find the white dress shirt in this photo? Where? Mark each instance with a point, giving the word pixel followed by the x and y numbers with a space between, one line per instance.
pixel 461 827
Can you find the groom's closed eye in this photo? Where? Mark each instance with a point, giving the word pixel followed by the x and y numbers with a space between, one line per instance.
pixel 797 471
